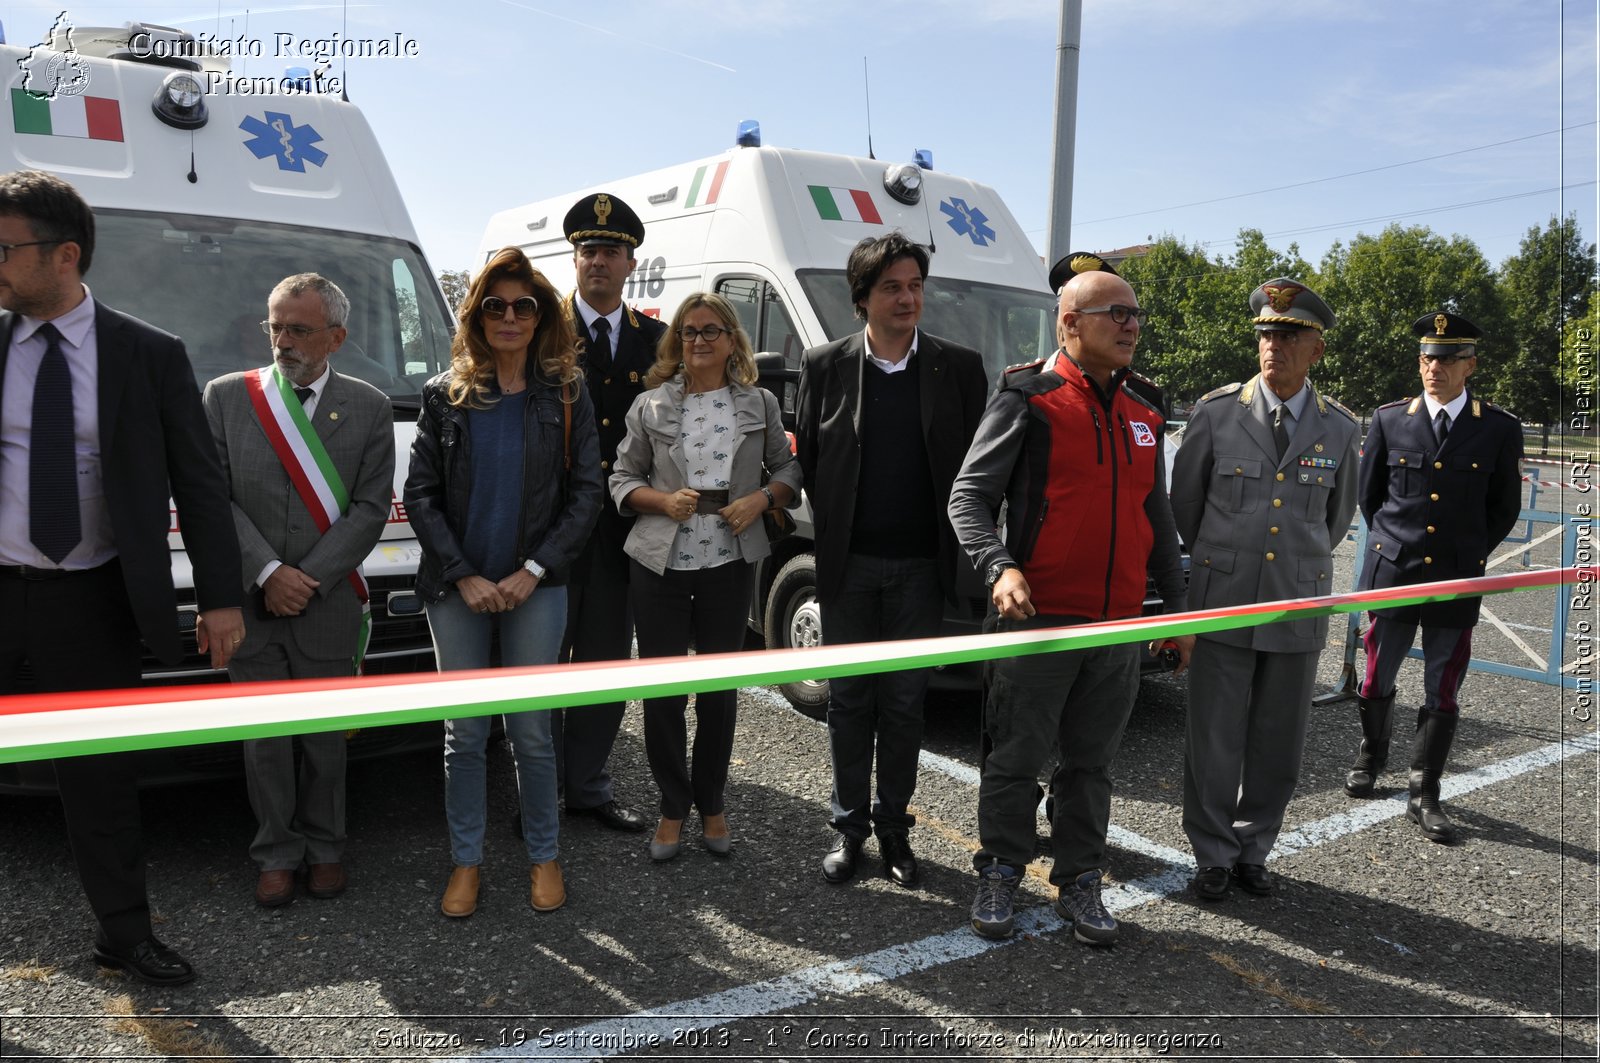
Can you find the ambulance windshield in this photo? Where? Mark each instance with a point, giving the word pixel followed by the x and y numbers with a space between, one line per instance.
pixel 206 279
pixel 1008 325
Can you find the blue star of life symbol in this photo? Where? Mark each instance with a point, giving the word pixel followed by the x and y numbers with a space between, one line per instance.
pixel 278 135
pixel 967 221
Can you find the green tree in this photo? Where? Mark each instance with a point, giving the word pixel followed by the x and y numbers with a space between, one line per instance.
pixel 1377 287
pixel 455 283
pixel 1545 286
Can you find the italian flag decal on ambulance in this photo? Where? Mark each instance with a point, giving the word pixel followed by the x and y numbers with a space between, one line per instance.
pixel 844 204
pixel 703 192
pixel 84 117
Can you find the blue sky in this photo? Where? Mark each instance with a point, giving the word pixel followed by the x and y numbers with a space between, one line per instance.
pixel 1189 111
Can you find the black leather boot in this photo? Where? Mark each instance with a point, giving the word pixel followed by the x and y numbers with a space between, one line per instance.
pixel 1377 723
pixel 1435 731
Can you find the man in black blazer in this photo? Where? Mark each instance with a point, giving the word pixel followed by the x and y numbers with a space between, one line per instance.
pixel 619 349
pixel 1441 486
pixel 100 424
pixel 885 418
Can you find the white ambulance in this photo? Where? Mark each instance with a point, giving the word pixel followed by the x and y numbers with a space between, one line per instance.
pixel 770 228
pixel 206 194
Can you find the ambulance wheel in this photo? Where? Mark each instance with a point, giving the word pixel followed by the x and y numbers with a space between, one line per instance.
pixel 793 619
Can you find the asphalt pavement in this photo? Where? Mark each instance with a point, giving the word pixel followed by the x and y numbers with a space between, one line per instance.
pixel 1378 943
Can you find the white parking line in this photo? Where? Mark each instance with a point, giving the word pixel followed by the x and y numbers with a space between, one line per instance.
pixel 789 992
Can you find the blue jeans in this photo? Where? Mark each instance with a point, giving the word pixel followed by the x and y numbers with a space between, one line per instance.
pixel 529 634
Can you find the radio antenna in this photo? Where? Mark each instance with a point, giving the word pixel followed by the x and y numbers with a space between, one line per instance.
pixel 866 83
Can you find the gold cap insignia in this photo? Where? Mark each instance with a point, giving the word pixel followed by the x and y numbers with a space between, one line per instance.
pixel 602 208
pixel 1440 324
pixel 1086 263
pixel 1281 295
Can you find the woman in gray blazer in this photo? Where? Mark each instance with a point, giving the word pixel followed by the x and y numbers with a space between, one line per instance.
pixel 691 469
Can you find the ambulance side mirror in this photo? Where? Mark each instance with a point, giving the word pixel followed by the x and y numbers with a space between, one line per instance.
pixel 775 374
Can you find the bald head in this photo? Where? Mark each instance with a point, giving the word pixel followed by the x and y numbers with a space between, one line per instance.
pixel 1097 341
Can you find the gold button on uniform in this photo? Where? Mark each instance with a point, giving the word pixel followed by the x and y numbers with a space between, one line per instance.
pixel 1438 465
pixel 1271 556
pixel 1280 477
pixel 1237 471
pixel 605 465
pixel 1319 479
pixel 1474 465
pixel 605 422
pixel 1402 461
pixel 1434 497
pixel 1431 529
pixel 1277 503
pixel 1427 561
pixel 1273 530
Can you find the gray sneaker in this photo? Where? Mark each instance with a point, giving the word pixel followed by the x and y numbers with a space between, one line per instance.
pixel 1079 904
pixel 991 908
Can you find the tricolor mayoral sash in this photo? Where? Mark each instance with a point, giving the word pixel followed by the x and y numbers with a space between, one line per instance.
pixel 310 469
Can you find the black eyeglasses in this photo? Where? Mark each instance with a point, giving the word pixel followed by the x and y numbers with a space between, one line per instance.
pixel 711 333
pixel 1119 313
pixel 299 332
pixel 6 249
pixel 524 308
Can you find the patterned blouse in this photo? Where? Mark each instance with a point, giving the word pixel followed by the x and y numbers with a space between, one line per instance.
pixel 708 436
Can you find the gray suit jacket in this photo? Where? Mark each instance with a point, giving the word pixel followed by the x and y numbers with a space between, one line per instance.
pixel 354 422
pixel 1260 528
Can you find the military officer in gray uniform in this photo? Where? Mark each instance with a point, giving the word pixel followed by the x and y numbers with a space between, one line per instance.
pixel 1441 487
pixel 1263 487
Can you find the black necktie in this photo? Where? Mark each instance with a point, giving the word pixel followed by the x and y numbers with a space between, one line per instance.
pixel 600 349
pixel 303 394
pixel 53 521
pixel 1280 431
pixel 1441 426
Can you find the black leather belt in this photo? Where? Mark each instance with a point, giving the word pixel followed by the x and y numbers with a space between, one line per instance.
pixel 711 501
pixel 28 572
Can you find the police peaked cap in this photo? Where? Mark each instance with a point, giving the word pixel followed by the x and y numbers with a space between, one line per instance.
pixel 1447 334
pixel 603 219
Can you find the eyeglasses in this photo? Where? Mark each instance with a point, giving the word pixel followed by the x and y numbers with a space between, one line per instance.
pixel 524 308
pixel 6 249
pixel 711 334
pixel 1119 313
pixel 299 332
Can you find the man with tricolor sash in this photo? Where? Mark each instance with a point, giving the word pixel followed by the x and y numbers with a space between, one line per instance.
pixel 309 456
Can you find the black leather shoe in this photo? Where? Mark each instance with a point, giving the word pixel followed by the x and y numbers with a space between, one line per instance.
pixel 615 815
pixel 840 863
pixel 1253 878
pixel 1211 883
pixel 899 865
pixel 149 961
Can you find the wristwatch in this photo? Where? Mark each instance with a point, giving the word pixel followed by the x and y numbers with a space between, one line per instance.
pixel 991 577
pixel 772 503
pixel 535 568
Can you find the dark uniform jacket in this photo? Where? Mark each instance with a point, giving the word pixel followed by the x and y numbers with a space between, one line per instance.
pixel 611 393
pixel 1436 513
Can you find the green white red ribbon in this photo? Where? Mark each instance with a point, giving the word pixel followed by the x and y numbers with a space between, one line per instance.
pixel 34 727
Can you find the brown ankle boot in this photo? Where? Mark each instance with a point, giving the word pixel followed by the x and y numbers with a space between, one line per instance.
pixel 547 892
pixel 461 895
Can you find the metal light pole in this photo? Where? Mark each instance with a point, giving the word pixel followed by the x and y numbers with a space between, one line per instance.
pixel 1066 130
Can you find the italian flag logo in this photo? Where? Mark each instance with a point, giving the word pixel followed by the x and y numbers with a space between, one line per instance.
pixel 703 192
pixel 83 117
pixel 844 204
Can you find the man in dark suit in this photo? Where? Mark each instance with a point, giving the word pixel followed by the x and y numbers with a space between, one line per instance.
pixel 1440 489
pixel 302 557
pixel 100 424
pixel 619 349
pixel 885 417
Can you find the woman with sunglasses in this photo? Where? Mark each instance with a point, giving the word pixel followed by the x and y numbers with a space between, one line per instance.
pixel 691 468
pixel 496 545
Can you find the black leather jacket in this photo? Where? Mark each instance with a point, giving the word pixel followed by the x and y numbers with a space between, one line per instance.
pixel 559 507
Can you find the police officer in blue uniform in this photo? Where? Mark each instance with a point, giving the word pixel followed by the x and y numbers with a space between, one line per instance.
pixel 619 349
pixel 1440 489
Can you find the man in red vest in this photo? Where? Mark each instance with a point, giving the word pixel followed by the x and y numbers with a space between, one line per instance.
pixel 1077 457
